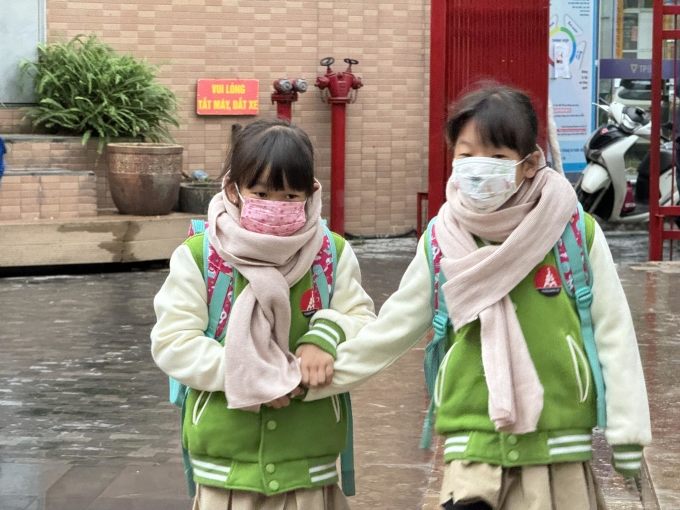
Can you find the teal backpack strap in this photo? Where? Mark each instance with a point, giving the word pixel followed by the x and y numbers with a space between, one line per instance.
pixel 326 292
pixel 582 277
pixel 216 305
pixel 177 392
pixel 436 349
pixel 206 254
pixel 325 289
pixel 347 456
pixel 197 226
pixel 188 469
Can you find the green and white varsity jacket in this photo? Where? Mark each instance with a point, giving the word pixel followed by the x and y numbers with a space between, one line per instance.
pixel 275 450
pixel 551 326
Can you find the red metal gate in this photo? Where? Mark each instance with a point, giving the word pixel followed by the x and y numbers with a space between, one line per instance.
pixel 503 40
pixel 664 40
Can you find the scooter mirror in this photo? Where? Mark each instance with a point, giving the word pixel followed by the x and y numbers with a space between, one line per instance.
pixel 616 112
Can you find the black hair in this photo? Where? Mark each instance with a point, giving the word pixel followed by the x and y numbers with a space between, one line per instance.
pixel 504 117
pixel 276 148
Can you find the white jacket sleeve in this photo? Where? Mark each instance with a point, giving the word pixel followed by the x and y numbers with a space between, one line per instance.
pixel 628 421
pixel 403 320
pixel 178 344
pixel 351 307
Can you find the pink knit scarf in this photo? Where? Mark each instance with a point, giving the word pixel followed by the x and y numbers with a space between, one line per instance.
pixel 259 366
pixel 479 280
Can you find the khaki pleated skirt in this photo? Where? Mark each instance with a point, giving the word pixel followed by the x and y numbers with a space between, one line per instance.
pixel 322 498
pixel 562 486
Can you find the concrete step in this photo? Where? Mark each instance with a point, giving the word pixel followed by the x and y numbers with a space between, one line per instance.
pixel 99 239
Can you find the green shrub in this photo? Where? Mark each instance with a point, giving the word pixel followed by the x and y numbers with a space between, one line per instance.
pixel 84 88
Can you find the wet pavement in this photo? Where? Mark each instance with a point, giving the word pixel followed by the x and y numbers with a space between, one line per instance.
pixel 84 418
pixel 652 289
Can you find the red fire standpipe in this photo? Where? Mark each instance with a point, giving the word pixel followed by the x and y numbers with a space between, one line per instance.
pixel 338 115
pixel 338 87
pixel 285 94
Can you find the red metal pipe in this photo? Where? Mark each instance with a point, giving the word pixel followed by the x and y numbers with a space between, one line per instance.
pixel 284 110
pixel 338 121
pixel 339 87
pixel 655 218
pixel 436 182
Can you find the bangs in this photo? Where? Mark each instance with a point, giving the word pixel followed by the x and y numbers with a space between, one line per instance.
pixel 273 153
pixel 504 117
pixel 503 125
pixel 279 160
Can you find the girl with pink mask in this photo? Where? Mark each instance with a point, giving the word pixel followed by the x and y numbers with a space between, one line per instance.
pixel 516 392
pixel 251 440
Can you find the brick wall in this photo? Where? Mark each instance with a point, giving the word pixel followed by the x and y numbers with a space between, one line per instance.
pixel 65 153
pixel 31 196
pixel 266 40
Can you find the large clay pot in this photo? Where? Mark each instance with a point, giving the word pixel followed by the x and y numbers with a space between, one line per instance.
pixel 144 178
pixel 195 197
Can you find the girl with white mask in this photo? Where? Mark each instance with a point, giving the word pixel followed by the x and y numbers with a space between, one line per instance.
pixel 515 397
pixel 294 296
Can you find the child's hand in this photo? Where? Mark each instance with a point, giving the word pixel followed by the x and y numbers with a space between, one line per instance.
pixel 278 403
pixel 316 366
pixel 284 401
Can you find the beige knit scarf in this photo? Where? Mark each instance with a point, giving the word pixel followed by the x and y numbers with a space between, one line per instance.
pixel 479 280
pixel 259 366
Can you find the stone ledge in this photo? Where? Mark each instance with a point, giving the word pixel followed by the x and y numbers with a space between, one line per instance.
pixel 27 138
pixel 102 239
pixel 42 138
pixel 19 172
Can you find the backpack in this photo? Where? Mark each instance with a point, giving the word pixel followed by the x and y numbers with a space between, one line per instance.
pixel 574 266
pixel 220 277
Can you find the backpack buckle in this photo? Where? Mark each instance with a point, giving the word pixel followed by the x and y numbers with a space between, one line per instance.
pixel 440 323
pixel 583 297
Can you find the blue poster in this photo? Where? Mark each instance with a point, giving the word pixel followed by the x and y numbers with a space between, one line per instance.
pixel 573 87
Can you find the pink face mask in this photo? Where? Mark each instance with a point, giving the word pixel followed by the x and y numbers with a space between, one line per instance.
pixel 272 217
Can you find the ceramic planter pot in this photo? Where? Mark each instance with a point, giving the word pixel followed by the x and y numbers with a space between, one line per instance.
pixel 144 178
pixel 195 197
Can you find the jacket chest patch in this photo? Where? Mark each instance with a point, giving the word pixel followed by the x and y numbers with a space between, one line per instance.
pixel 310 302
pixel 547 281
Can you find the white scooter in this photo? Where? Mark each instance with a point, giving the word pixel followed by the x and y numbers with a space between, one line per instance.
pixel 604 189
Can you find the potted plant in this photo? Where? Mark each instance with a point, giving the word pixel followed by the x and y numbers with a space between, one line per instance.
pixel 83 87
pixel 196 193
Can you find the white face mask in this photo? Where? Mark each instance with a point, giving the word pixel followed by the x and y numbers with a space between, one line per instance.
pixel 487 183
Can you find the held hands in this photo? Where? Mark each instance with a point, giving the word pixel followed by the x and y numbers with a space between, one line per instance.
pixel 316 366
pixel 285 400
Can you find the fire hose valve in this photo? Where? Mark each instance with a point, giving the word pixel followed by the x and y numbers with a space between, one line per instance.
pixel 300 85
pixel 285 94
pixel 322 82
pixel 339 86
pixel 283 86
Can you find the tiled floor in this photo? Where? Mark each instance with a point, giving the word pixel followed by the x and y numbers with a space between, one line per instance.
pixel 84 418
pixel 85 423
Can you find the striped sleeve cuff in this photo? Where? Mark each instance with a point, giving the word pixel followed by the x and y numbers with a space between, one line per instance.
pixel 325 334
pixel 627 459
